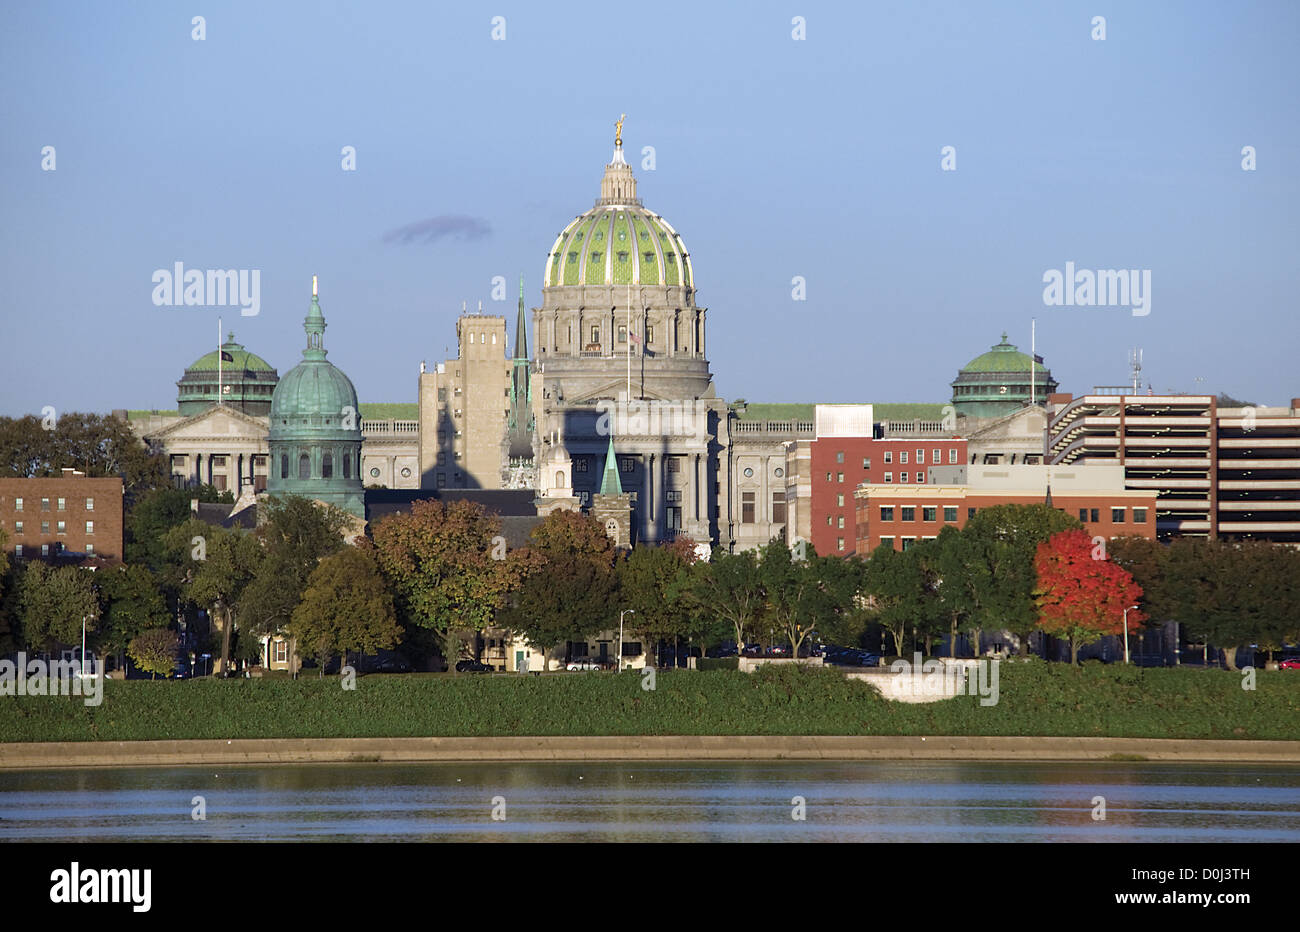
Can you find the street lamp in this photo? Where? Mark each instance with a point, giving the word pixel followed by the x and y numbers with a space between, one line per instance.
pixel 1131 608
pixel 619 658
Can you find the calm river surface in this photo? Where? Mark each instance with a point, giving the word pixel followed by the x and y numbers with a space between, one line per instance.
pixel 647 801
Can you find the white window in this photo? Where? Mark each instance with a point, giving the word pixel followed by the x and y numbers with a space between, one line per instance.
pixel 936 456
pixel 889 477
pixel 90 549
pixel 902 477
pixel 920 477
pixel 839 500
pixel 902 456
pixel 18 504
pixel 90 527
pixel 18 551
pixel 889 456
pixel 90 504
pixel 952 456
pixel 920 457
pixel 63 504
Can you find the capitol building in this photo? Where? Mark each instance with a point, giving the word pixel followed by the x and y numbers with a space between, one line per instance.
pixel 600 398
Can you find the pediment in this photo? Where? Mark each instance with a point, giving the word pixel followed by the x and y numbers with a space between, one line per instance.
pixel 218 421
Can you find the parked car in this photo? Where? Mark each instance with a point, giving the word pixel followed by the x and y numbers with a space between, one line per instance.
pixel 583 663
pixel 472 666
pixel 851 657
pixel 1292 664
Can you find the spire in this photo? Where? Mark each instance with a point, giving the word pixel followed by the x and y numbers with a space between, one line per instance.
pixel 314 327
pixel 618 187
pixel 609 483
pixel 521 332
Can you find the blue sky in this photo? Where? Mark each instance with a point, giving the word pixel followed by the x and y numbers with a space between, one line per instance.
pixel 775 158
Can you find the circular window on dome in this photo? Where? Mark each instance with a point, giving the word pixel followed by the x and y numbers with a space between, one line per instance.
pixel 406 472
pixel 749 473
pixel 779 472
pixel 375 472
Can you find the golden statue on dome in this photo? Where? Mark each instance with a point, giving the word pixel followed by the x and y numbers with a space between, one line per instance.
pixel 618 132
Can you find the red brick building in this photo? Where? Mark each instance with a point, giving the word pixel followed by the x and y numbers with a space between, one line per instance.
pixel 901 515
pixel 840 464
pixel 69 514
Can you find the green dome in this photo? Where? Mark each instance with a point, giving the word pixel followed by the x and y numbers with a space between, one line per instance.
pixel 618 242
pixel 315 436
pixel 315 398
pixel 246 382
pixel 619 245
pixel 1001 381
pixel 243 360
pixel 1004 357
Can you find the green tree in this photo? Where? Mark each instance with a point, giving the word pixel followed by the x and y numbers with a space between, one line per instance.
pixel 345 607
pixel 800 593
pixel 154 514
pixel 132 605
pixel 296 535
pixel 221 563
pixel 52 602
pixel 899 588
pixel 441 561
pixel 99 445
pixel 653 583
pixel 962 579
pixel 570 584
pixel 154 651
pixel 729 589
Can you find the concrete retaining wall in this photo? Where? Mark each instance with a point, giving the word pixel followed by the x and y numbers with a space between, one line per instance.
pixel 45 756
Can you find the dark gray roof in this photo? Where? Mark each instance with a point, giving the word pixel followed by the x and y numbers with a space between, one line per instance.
pixel 219 515
pixel 507 503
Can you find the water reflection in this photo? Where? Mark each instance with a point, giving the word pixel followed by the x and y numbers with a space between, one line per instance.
pixel 646 801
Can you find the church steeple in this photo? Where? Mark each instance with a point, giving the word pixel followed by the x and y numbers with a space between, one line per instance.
pixel 521 330
pixel 314 327
pixel 609 482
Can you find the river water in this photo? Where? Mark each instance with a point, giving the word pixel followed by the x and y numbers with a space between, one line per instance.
pixel 646 801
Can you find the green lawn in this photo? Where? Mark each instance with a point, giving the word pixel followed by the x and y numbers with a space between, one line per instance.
pixel 1035 699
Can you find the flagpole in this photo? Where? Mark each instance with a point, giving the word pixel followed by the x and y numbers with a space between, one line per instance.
pixel 629 342
pixel 218 360
pixel 1033 369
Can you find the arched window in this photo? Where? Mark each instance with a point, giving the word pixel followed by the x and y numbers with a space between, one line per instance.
pixel 304 467
pixel 559 478
pixel 284 465
pixel 327 466
pixel 347 466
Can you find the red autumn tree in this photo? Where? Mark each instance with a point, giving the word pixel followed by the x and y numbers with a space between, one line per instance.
pixel 1081 593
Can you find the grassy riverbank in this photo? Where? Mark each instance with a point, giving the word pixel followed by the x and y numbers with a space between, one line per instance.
pixel 1035 699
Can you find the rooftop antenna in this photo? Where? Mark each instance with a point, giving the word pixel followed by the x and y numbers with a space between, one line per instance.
pixel 1033 370
pixel 1135 363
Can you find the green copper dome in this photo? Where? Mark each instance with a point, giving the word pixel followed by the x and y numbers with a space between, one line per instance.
pixel 1004 357
pixel 1001 381
pixel 315 436
pixel 245 379
pixel 242 360
pixel 618 242
pixel 619 245
pixel 315 393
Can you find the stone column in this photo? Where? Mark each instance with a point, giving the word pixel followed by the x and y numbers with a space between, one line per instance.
pixel 645 495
